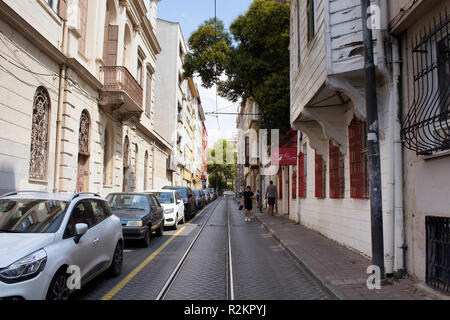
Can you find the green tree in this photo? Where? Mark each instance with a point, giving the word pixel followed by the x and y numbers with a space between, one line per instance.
pixel 251 60
pixel 222 174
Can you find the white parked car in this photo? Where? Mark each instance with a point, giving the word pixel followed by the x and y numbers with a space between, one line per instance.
pixel 46 239
pixel 173 206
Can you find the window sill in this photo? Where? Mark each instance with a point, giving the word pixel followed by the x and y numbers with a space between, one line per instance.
pixel 437 155
pixel 50 11
pixel 38 181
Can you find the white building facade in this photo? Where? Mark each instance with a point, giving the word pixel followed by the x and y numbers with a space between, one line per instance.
pixel 77 95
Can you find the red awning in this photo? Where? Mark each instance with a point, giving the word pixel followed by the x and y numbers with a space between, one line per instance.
pixel 284 156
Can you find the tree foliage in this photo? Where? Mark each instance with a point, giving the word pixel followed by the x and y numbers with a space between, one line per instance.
pixel 251 60
pixel 222 174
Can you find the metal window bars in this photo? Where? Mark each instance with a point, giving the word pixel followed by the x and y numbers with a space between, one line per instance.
pixel 426 128
pixel 337 181
pixel 438 252
pixel 320 176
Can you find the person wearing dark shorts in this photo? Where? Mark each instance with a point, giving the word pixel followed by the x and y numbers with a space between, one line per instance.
pixel 247 201
pixel 271 196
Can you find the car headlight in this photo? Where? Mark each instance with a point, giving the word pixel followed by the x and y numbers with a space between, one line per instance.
pixel 26 268
pixel 168 210
pixel 134 223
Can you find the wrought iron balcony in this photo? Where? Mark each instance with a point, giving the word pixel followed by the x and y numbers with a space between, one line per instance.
pixel 121 96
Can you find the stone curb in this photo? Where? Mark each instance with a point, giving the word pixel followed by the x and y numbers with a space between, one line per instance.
pixel 325 284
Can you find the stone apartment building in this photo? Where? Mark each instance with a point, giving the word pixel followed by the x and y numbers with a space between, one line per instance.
pixel 328 109
pixel 77 96
pixel 179 115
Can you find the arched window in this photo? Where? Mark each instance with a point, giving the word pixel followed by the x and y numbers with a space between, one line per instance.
pixel 83 138
pixel 83 152
pixel 39 135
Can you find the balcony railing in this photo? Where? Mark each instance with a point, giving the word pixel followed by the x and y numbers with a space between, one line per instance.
pixel 120 79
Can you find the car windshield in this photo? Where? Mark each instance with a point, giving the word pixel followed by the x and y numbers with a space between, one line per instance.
pixel 128 201
pixel 31 215
pixel 164 197
pixel 182 193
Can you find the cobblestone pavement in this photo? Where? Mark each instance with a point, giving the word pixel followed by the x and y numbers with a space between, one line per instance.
pixel 262 269
pixel 340 270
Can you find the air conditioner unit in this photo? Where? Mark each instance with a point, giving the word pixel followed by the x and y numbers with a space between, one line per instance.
pixel 172 163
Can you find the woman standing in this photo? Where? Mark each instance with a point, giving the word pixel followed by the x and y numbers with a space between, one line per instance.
pixel 247 198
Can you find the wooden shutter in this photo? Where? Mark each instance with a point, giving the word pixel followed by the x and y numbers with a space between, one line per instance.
pixel 82 7
pixel 148 97
pixel 301 175
pixel 294 183
pixel 111 47
pixel 62 9
pixel 319 176
pixel 358 160
pixel 336 172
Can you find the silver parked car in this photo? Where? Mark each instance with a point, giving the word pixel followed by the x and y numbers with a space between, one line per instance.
pixel 45 238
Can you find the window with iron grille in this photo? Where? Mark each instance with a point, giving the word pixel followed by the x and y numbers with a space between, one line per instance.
pixel 280 183
pixel 359 160
pixel 337 179
pixel 302 173
pixel 426 128
pixel 40 135
pixel 294 183
pixel 438 252
pixel 320 175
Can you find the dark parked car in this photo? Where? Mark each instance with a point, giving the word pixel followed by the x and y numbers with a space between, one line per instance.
pixel 208 195
pixel 214 193
pixel 200 198
pixel 190 207
pixel 141 215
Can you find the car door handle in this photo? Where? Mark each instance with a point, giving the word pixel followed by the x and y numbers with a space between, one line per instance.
pixel 96 241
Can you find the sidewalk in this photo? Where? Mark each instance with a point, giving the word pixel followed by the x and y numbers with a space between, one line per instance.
pixel 340 270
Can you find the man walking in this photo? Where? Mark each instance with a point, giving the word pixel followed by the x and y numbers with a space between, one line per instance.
pixel 247 198
pixel 271 196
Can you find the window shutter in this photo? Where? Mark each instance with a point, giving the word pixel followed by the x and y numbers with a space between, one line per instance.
pixel 336 172
pixel 358 160
pixel 301 175
pixel 294 183
pixel 62 9
pixel 111 51
pixel 319 176
pixel 82 6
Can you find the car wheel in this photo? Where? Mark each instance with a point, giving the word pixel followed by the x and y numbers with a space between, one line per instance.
pixel 146 240
pixel 160 231
pixel 58 287
pixel 116 265
pixel 175 226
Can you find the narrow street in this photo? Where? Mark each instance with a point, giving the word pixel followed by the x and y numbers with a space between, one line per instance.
pixel 260 268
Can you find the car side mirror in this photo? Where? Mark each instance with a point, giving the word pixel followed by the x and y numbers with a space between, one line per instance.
pixel 179 201
pixel 80 229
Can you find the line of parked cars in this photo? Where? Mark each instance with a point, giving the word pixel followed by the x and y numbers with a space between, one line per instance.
pixel 52 244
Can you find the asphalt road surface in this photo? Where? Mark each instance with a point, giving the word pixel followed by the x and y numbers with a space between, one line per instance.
pixel 229 259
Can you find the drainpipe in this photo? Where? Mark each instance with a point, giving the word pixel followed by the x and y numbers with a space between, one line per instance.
pixel 61 99
pixel 399 220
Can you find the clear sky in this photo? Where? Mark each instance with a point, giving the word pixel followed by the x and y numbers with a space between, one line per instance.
pixel 190 14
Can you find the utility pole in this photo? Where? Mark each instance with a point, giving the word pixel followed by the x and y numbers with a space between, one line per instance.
pixel 376 209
